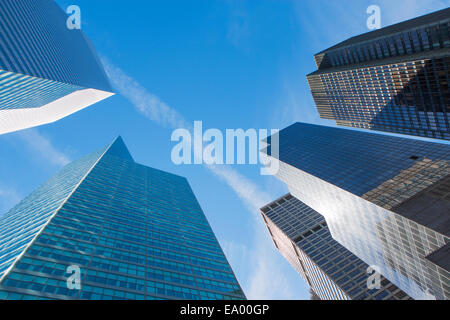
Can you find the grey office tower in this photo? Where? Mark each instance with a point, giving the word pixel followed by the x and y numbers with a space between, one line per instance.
pixel 384 198
pixel 332 272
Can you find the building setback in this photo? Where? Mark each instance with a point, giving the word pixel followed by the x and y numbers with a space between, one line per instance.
pixel 395 79
pixel 133 231
pixel 384 198
pixel 47 71
pixel 332 272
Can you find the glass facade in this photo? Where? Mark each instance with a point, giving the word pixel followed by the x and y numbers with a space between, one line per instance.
pixel 376 194
pixel 395 79
pixel 41 62
pixel 333 272
pixel 20 91
pixel 134 232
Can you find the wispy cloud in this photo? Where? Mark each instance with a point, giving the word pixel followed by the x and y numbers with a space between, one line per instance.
pixel 252 196
pixel 257 285
pixel 145 102
pixel 268 281
pixel 158 111
pixel 258 267
pixel 236 252
pixel 43 147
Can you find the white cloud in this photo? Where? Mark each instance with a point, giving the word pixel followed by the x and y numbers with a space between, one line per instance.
pixel 43 147
pixel 236 252
pixel 145 102
pixel 252 196
pixel 268 282
pixel 261 269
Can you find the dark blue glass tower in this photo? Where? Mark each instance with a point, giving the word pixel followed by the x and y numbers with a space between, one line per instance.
pixel 134 232
pixel 386 199
pixel 47 71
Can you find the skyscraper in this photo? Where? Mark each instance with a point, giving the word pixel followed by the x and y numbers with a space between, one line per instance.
pixel 394 79
pixel 47 71
pixel 332 272
pixel 132 232
pixel 384 198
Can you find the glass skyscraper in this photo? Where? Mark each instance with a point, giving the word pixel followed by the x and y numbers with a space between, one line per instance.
pixel 332 272
pixel 47 71
pixel 395 79
pixel 384 198
pixel 133 231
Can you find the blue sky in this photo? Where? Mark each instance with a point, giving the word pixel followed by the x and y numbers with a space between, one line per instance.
pixel 230 64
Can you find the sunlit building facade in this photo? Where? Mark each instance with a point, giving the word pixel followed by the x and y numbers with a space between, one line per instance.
pixel 133 231
pixel 395 79
pixel 384 198
pixel 332 272
pixel 47 71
